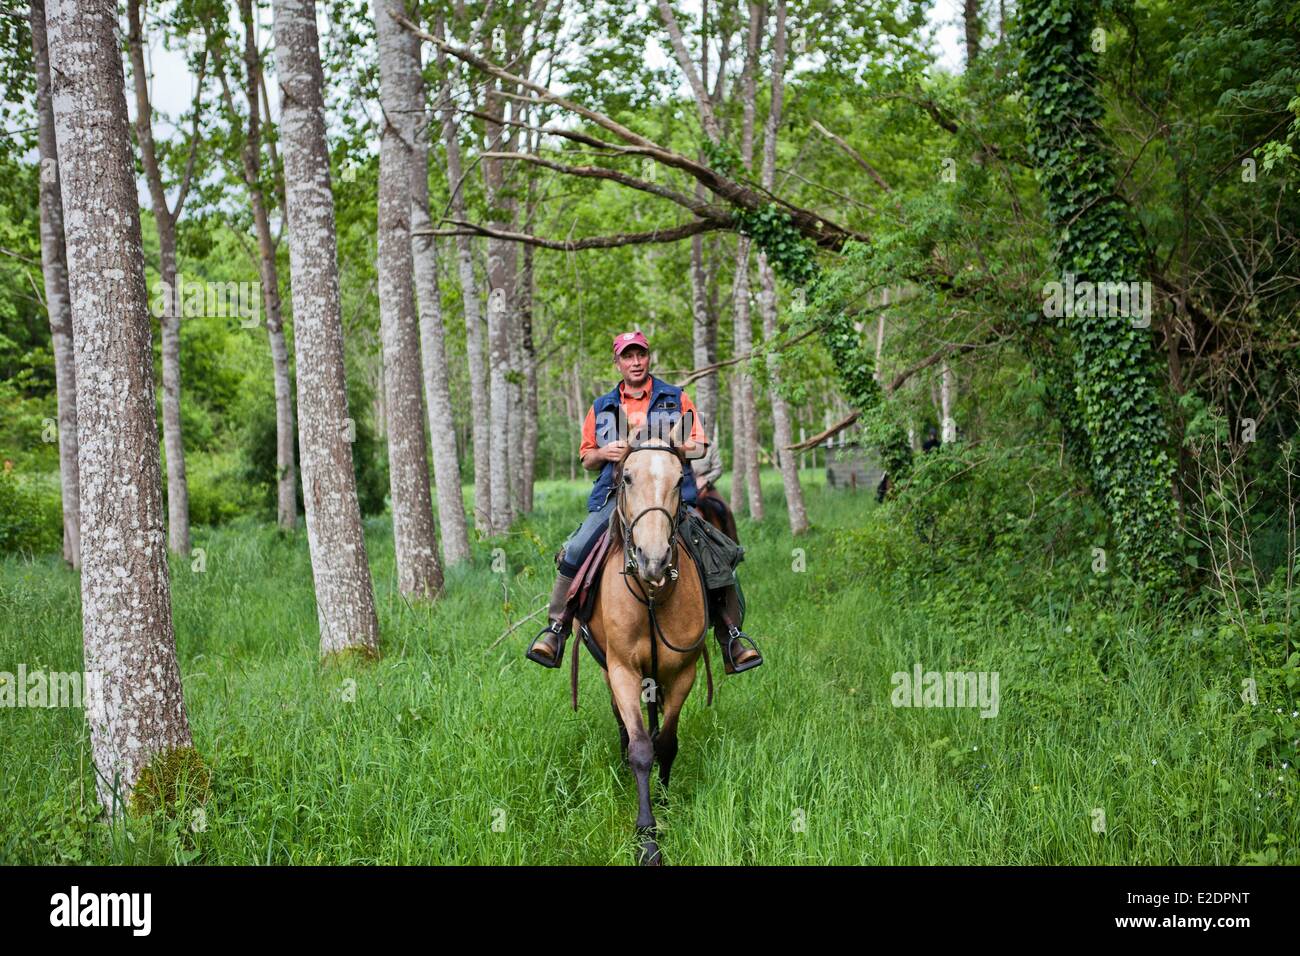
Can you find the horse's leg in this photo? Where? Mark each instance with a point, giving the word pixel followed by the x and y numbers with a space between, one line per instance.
pixel 666 742
pixel 626 686
pixel 622 729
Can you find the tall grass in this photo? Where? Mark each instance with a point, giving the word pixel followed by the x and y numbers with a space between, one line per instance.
pixel 450 751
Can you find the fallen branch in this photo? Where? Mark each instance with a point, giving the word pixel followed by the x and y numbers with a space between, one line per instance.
pixel 673 234
pixel 515 626
pixel 854 155
pixel 600 172
pixel 822 231
pixel 926 362
pixel 888 390
pixel 825 435
pixel 704 370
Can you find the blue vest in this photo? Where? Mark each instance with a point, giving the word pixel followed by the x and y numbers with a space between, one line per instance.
pixel 662 414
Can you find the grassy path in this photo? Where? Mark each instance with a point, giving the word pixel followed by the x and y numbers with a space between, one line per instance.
pixel 446 752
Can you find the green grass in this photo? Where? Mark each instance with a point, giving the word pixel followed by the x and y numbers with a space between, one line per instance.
pixel 801 761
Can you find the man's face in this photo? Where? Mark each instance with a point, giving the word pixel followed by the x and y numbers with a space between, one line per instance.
pixel 634 364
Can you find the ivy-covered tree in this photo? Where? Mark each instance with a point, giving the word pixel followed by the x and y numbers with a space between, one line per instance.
pixel 1115 378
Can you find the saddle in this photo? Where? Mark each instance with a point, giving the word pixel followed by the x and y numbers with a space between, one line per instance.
pixel 586 583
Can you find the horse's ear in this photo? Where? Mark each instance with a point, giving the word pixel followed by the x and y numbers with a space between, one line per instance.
pixel 639 436
pixel 681 431
pixel 622 424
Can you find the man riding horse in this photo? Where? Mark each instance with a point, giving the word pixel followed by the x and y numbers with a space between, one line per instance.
pixel 639 399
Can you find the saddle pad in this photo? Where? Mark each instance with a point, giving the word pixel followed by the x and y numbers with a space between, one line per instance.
pixel 582 593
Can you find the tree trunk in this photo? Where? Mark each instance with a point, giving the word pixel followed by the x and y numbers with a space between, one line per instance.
pixel 138 713
pixel 517 410
pixel 947 398
pixel 285 466
pixel 971 19
pixel 530 379
pixel 178 492
pixel 704 331
pixel 499 305
pixel 251 155
pixel 580 414
pixel 419 573
pixel 746 415
pixel 705 319
pixel 704 263
pixel 478 386
pixel 345 600
pixel 54 265
pixel 178 495
pixel 782 432
pixel 437 378
pixel 1098 239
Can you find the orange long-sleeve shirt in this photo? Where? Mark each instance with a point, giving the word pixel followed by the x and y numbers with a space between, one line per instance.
pixel 636 406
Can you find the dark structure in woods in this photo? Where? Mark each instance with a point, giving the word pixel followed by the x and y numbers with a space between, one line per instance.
pixel 852 465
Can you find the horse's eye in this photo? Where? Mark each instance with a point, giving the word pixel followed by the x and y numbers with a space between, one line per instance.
pixel 627 479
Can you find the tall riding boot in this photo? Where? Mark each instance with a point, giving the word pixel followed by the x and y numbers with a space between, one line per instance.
pixel 736 656
pixel 547 648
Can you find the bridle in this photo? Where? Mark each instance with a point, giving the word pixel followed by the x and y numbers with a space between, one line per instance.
pixel 647 599
pixel 626 527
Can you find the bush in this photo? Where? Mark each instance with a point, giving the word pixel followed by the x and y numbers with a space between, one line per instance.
pixel 31 516
pixel 971 520
pixel 257 444
pixel 218 492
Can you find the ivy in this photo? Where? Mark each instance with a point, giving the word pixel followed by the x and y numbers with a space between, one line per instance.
pixel 722 156
pixel 1116 399
pixel 825 295
pixel 789 253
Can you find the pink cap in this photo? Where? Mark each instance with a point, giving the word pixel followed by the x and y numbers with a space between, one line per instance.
pixel 624 339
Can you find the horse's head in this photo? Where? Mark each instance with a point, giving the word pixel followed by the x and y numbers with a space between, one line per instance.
pixel 650 494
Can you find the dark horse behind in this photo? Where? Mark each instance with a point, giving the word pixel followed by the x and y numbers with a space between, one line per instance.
pixel 717 512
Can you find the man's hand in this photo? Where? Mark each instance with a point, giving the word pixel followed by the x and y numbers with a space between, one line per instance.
pixel 595 459
pixel 613 451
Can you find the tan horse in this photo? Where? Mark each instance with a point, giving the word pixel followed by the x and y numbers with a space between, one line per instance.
pixel 649 618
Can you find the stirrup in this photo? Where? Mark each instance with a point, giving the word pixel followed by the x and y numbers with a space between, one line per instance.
pixel 736 636
pixel 561 635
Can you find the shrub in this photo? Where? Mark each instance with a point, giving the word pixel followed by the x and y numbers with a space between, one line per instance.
pixel 31 516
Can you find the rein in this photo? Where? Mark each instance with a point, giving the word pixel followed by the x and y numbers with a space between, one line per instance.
pixel 647 599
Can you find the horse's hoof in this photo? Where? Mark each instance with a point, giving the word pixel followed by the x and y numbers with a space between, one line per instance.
pixel 649 854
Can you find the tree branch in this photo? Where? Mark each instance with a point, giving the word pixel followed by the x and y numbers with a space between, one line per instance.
pixel 822 231
pixel 704 370
pixel 854 155
pixel 888 390
pixel 600 172
pixel 573 245
pixel 188 176
pixel 702 100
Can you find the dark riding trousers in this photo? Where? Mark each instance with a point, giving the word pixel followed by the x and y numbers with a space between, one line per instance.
pixel 580 543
